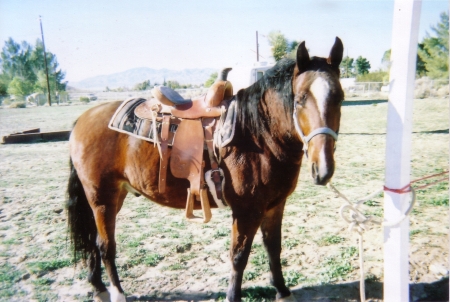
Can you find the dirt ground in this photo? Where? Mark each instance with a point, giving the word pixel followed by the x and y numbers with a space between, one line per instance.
pixel 161 257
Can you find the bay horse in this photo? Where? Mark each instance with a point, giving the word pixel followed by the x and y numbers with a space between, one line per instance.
pixel 293 110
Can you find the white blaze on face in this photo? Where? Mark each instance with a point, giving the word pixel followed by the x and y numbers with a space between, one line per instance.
pixel 319 89
pixel 323 165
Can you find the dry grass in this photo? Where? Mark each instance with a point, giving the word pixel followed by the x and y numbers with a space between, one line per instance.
pixel 160 256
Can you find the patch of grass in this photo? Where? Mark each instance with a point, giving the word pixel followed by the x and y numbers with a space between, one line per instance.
pixel 258 294
pixel 437 201
pixel 45 295
pixel 133 243
pixel 9 275
pixel 48 266
pixel 187 257
pixel 418 231
pixel 259 258
pixel 330 239
pixel 301 230
pixel 349 252
pixel 226 245
pixel 338 267
pixel 372 203
pixel 14 241
pixel 178 225
pixel 251 275
pixel 290 243
pixel 221 232
pixel 175 267
pixel 183 247
pixel 153 259
pixel 42 281
pixel 174 235
pixel 292 278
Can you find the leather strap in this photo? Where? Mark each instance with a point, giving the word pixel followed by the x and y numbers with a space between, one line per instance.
pixel 164 153
pixel 215 173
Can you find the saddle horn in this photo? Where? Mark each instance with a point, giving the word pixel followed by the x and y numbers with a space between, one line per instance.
pixel 223 74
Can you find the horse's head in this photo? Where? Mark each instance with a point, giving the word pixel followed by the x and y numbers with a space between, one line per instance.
pixel 317 108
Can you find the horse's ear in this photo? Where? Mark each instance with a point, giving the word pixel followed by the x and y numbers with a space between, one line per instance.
pixel 302 57
pixel 336 53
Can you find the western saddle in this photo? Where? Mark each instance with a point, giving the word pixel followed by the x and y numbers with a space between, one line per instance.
pixel 196 120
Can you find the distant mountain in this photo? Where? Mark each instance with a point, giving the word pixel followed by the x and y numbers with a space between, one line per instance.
pixel 131 77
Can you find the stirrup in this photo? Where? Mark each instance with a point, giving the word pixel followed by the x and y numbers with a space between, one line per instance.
pixel 206 208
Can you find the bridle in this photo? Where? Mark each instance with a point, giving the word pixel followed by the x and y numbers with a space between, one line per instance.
pixel 306 139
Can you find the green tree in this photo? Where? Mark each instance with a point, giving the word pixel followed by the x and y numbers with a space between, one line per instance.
pixel 279 44
pixel 421 69
pixel 24 64
pixel 20 87
pixel 292 49
pixel 4 81
pixel 362 66
pixel 16 60
pixel 347 67
pixel 173 84
pixel 211 79
pixel 434 52
pixel 56 76
pixel 141 86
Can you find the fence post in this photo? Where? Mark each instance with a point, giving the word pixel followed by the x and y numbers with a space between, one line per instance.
pixel 398 147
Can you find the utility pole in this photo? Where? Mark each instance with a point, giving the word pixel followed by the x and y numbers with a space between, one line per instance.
pixel 45 62
pixel 257 47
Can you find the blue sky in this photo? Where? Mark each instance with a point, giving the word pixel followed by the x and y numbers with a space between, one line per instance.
pixel 101 37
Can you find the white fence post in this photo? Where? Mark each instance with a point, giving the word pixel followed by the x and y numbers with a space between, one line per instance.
pixel 398 147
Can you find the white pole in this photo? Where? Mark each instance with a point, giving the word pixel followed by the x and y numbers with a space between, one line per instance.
pixel 398 147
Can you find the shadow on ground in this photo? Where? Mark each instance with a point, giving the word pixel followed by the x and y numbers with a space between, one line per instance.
pixel 439 131
pixel 436 291
pixel 419 292
pixel 363 102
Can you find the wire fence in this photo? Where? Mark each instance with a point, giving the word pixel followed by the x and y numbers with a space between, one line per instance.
pixel 424 88
pixel 123 95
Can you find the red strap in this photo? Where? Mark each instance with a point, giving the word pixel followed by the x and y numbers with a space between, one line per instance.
pixel 404 190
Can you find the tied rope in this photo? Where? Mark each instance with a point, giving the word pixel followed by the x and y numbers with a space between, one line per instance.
pixel 358 221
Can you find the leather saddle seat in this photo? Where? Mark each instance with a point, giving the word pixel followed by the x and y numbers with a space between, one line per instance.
pixel 198 107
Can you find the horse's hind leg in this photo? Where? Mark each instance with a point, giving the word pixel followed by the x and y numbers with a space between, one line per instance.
pixel 242 234
pixel 105 205
pixel 271 232
pixel 95 276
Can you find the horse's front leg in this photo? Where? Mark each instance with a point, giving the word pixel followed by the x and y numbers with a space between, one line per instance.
pixel 242 233
pixel 271 232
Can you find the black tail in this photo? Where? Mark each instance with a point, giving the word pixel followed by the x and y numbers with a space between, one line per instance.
pixel 83 232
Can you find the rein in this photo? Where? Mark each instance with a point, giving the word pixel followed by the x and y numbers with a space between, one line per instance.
pixel 306 139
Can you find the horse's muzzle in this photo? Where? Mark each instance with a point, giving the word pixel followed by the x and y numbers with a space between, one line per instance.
pixel 321 175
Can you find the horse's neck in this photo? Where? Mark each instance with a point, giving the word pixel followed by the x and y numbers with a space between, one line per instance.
pixel 276 137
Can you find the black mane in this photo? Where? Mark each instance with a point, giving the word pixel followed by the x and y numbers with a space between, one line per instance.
pixel 279 79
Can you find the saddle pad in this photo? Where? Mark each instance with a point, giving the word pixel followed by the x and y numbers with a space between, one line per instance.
pixel 226 127
pixel 125 121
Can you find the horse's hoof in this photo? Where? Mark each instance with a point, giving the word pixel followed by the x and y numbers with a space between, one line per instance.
pixel 102 297
pixel 116 295
pixel 289 298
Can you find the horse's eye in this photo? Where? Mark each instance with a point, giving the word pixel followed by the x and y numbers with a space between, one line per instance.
pixel 300 99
